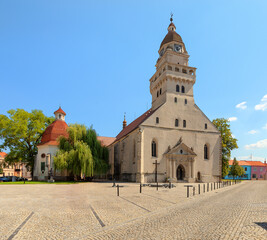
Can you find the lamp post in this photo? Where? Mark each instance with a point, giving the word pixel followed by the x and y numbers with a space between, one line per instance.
pixel 156 170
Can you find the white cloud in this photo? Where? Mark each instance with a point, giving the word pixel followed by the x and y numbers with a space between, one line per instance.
pixel 254 158
pixel 231 119
pixel 265 127
pixel 241 105
pixel 259 144
pixel 252 131
pixel 263 104
pixel 233 136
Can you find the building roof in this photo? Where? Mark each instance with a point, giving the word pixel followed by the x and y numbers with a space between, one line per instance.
pixel 60 111
pixel 248 163
pixel 53 131
pixel 171 36
pixel 3 154
pixel 134 124
pixel 106 141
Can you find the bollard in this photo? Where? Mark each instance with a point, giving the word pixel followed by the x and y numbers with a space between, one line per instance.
pixel 198 188
pixel 204 188
pixel 140 187
pixel 217 185
pixel 118 190
pixel 157 186
pixel 207 187
pixel 170 184
pixel 214 186
pixel 193 191
pixel 211 186
pixel 188 191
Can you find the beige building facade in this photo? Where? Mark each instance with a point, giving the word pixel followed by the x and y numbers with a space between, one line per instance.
pixel 174 140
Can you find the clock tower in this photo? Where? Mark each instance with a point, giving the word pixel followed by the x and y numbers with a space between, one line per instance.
pixel 174 79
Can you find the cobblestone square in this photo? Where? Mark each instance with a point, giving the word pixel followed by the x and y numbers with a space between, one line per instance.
pixel 94 211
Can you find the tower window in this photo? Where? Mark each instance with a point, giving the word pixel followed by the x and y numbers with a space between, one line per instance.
pixel 176 122
pixel 160 91
pixel 183 90
pixel 175 99
pixel 184 71
pixel 185 101
pixel 157 120
pixel 206 152
pixel 184 123
pixel 153 149
pixel 176 69
pixel 157 93
pixel 206 126
pixel 177 88
pixel 59 116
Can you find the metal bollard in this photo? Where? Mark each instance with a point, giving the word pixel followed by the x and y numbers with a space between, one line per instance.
pixel 118 190
pixel 210 186
pixel 204 188
pixel 217 185
pixel 140 187
pixel 188 191
pixel 157 186
pixel 198 188
pixel 170 185
pixel 194 191
pixel 207 187
pixel 214 186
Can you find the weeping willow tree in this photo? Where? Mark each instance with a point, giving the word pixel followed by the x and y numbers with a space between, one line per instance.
pixel 81 153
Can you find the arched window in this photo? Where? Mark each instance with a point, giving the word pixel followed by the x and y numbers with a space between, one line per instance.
pixel 176 122
pixel 177 88
pixel 185 101
pixel 157 120
pixel 160 91
pixel 206 126
pixel 157 93
pixel 59 116
pixel 153 149
pixel 175 99
pixel 183 90
pixel 206 152
pixel 184 123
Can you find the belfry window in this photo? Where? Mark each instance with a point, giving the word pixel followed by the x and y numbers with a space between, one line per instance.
pixel 160 91
pixel 183 90
pixel 177 88
pixel 153 149
pixel 184 123
pixel 176 122
pixel 157 120
pixel 206 156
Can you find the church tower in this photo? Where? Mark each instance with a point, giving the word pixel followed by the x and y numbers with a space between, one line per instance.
pixel 174 79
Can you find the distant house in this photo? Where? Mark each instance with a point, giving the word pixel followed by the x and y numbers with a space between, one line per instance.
pixel 254 170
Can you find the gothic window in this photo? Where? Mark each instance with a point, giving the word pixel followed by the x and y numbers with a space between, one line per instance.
pixel 175 99
pixel 177 88
pixel 153 149
pixel 183 90
pixel 160 91
pixel 206 152
pixel 157 120
pixel 184 123
pixel 176 122
pixel 206 126
pixel 185 101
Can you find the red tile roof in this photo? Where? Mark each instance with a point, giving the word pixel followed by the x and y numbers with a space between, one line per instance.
pixel 241 163
pixel 248 163
pixel 3 154
pixel 105 141
pixel 256 163
pixel 134 124
pixel 60 111
pixel 53 131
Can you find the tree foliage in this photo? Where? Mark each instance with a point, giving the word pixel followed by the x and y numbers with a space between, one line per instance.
pixel 236 170
pixel 228 142
pixel 81 153
pixel 20 132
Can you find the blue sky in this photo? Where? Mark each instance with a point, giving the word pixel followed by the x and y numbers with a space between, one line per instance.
pixel 95 59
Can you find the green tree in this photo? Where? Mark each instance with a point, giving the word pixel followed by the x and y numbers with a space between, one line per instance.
pixel 228 142
pixel 20 132
pixel 236 170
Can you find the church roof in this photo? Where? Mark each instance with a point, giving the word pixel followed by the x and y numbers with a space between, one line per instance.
pixel 248 163
pixel 3 154
pixel 133 125
pixel 170 37
pixel 60 111
pixel 53 131
pixel 106 141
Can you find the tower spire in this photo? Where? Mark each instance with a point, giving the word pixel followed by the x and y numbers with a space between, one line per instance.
pixel 171 19
pixel 124 123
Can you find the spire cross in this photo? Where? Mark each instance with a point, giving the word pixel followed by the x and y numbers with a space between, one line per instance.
pixel 171 16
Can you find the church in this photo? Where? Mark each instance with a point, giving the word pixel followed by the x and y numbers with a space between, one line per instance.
pixel 174 140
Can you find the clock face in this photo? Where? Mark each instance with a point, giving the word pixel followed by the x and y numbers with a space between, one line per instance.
pixel 177 48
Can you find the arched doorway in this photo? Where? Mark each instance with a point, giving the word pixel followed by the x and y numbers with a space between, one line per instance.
pixel 180 172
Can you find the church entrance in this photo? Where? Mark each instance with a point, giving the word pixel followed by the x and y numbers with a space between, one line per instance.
pixel 180 172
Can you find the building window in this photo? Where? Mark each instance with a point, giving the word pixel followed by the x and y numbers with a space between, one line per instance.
pixel 157 93
pixel 183 89
pixel 185 101
pixel 245 169
pixel 154 149
pixel 160 92
pixel 59 116
pixel 260 176
pixel 157 120
pixel 177 88
pixel 42 166
pixel 175 99
pixel 255 169
pixel 254 175
pixel 261 169
pixel 176 122
pixel 206 126
pixel 184 123
pixel 206 156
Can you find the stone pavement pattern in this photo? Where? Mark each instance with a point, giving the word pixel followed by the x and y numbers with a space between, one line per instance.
pixel 93 211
